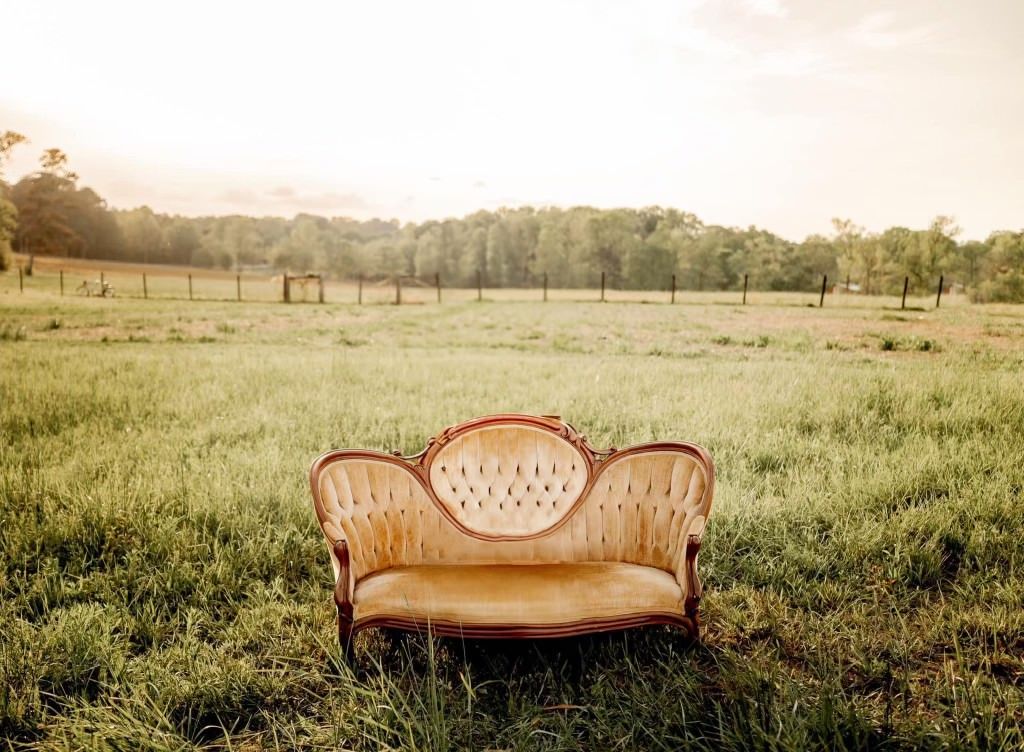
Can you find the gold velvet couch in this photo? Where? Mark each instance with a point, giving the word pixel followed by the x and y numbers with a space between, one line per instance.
pixel 513 526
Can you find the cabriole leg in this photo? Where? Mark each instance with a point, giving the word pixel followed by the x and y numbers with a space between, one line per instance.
pixel 346 633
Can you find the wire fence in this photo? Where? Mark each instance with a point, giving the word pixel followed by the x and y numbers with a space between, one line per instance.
pixel 111 280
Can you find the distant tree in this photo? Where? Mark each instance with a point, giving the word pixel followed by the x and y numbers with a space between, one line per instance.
pixel 499 244
pixel 181 239
pixel 143 237
pixel 55 162
pixel 937 248
pixel 553 254
pixel 8 140
pixel 475 255
pixel 8 211
pixel 895 245
pixel 45 202
pixel 612 236
pixel 1005 277
pixel 971 261
pixel 815 256
pixel 703 263
pixel 859 256
pixel 8 227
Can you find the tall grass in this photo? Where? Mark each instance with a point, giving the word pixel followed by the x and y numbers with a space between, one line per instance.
pixel 163 584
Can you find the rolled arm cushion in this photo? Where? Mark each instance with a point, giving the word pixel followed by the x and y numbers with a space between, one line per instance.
pixel 513 523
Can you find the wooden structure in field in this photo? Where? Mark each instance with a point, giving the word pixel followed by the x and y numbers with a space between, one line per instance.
pixel 303 280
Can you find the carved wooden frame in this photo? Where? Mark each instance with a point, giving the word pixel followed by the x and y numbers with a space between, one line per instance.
pixel 419 466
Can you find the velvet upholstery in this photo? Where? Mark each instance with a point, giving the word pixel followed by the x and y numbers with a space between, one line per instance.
pixel 508 480
pixel 508 524
pixel 502 594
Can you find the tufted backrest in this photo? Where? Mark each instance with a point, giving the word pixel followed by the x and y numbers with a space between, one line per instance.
pixel 636 506
pixel 508 481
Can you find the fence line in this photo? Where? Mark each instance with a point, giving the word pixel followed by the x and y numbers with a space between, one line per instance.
pixel 287 280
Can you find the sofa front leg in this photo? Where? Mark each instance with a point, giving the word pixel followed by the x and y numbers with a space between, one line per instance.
pixel 343 599
pixel 345 634
pixel 694 589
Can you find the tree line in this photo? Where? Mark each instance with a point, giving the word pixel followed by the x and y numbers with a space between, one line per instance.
pixel 48 213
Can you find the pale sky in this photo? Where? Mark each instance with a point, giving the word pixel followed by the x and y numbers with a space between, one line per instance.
pixel 779 113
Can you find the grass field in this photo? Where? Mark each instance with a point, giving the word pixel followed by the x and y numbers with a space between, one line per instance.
pixel 163 584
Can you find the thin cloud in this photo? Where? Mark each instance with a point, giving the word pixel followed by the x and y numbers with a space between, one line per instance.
pixel 878 30
pixel 241 196
pixel 286 199
pixel 329 200
pixel 769 8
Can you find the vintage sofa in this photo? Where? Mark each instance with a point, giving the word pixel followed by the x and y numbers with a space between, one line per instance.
pixel 513 526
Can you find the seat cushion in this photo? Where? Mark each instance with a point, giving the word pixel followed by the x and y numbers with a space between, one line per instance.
pixel 517 594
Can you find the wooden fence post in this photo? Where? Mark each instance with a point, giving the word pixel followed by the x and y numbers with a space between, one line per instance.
pixel 360 298
pixel 145 290
pixel 21 280
pixel 938 298
pixel 238 287
pixel 602 287
pixel 103 282
pixel 545 287
pixel 320 288
pixel 398 290
pixel 906 284
pixel 190 287
pixel 479 286
pixel 437 284
pixel 62 283
pixel 673 300
pixel 285 292
pixel 745 276
pixel 824 282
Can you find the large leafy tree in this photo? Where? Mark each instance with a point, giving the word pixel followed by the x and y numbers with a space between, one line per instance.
pixel 44 202
pixel 57 218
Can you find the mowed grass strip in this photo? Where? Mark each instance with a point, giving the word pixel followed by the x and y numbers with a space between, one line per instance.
pixel 163 584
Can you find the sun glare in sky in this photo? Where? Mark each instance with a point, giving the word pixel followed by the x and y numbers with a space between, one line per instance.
pixel 770 112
